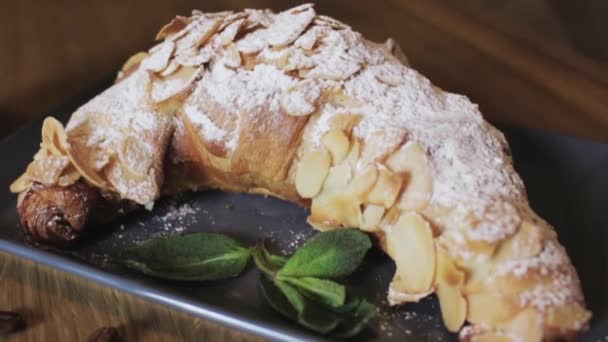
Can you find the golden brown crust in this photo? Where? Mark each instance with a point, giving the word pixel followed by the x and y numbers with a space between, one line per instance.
pixel 58 215
pixel 61 215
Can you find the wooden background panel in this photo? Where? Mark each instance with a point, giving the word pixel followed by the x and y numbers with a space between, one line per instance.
pixel 51 50
pixel 61 307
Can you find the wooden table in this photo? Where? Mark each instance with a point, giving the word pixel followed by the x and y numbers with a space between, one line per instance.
pixel 56 50
pixel 62 307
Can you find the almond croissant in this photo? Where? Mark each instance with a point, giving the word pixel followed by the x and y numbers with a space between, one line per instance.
pixel 298 106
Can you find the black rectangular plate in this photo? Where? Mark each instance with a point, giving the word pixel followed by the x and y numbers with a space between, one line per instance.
pixel 567 181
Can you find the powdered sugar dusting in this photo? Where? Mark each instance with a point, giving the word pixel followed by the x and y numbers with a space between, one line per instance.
pixel 235 91
pixel 177 218
pixel 158 60
pixel 460 146
pixel 120 124
pixel 298 63
pixel 208 129
pixel 288 26
pixel 551 264
pixel 550 259
pixel 302 98
pixel 542 299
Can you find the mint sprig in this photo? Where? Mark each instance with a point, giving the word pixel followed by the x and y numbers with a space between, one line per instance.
pixel 302 287
pixel 331 254
pixel 318 302
pixel 191 257
pixel 324 291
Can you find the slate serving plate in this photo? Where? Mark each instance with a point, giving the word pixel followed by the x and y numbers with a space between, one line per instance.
pixel 567 181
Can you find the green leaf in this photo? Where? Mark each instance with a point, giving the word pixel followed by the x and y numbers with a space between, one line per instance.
pixel 268 263
pixel 350 303
pixel 310 315
pixel 323 291
pixel 293 296
pixel 276 298
pixel 357 320
pixel 192 257
pixel 331 254
pixel 316 318
pixel 276 261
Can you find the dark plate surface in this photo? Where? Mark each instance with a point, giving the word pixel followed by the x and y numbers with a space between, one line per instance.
pixel 567 181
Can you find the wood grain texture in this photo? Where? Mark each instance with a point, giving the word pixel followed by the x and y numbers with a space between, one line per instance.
pixel 57 48
pixel 52 50
pixel 61 307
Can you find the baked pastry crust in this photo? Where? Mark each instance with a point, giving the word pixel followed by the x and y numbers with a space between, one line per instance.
pixel 299 106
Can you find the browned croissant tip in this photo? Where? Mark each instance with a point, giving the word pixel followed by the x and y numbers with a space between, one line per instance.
pixel 56 215
pixel 60 232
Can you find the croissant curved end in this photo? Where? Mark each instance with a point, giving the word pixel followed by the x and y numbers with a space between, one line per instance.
pixel 57 215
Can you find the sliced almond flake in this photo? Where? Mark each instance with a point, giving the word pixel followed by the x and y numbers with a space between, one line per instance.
pixel 331 22
pixel 171 68
pixel 393 48
pixel 159 60
pixel 196 58
pixel 367 53
pixel 308 40
pixel 249 25
pixel 69 176
pixel 180 34
pixel 231 56
pixel 231 19
pixel 253 42
pixel 299 60
pixel 287 27
pixel 301 8
pixel 48 169
pixel 156 47
pixel 176 25
pixel 400 55
pixel 388 73
pixel 353 44
pixel 301 99
pixel 390 44
pixel 258 17
pixel 165 88
pixel 277 57
pixel 227 36
pixel 336 69
pixel 200 31
pixel 222 14
pixel 134 60
pixel 205 54
pixel 197 13
pixel 132 153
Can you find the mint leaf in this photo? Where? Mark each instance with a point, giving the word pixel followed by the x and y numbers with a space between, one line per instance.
pixel 276 298
pixel 309 315
pixel 356 320
pixel 276 261
pixel 268 263
pixel 330 254
pixel 192 257
pixel 318 304
pixel 325 292
pixel 293 296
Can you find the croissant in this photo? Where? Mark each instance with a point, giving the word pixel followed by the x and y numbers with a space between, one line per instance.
pixel 299 106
